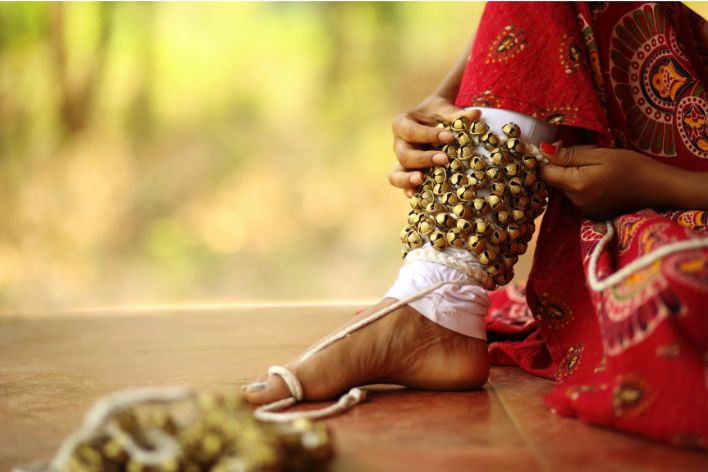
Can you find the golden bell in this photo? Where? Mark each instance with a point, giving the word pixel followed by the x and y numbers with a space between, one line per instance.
pixel 516 186
pixel 463 139
pixel 426 198
pixel 514 145
pixel 511 130
pixel 405 232
pixel 529 161
pixel 438 240
pixel 512 170
pixel 435 207
pixel 456 237
pixel 489 140
pixel 442 188
pixel 426 225
pixel 464 225
pixel 487 256
pixel 460 124
pixel 478 127
pixel 473 182
pixel 462 211
pixel 439 175
pixel 481 177
pixel 517 248
pixel 498 236
pixel 466 193
pixel 529 178
pixel 465 153
pixel 416 202
pixel 514 231
pixel 502 217
pixel 427 186
pixel 495 174
pixel 414 240
pixel 481 227
pixel 494 268
pixel 480 206
pixel 445 220
pixel 442 125
pixel 497 188
pixel 518 214
pixel 404 252
pixel 449 199
pixel 509 260
pixel 496 203
pixel 456 165
pixel 476 243
pixel 522 202
pixel 498 156
pixel 478 162
pixel 458 179
pixel 503 278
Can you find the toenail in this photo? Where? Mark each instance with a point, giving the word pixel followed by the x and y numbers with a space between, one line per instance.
pixel 256 387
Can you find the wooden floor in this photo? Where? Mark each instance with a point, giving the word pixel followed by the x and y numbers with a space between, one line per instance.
pixel 53 368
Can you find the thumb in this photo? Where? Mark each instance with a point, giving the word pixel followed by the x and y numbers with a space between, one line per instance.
pixel 575 156
pixel 557 176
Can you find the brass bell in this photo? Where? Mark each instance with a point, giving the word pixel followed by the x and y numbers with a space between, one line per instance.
pixel 456 165
pixel 442 188
pixel 489 140
pixel 511 130
pixel 481 227
pixel 426 225
pixel 498 236
pixel 514 145
pixel 514 231
pixel 478 127
pixel 439 175
pixel 495 174
pixel 518 214
pixel 529 161
pixel 405 232
pixel 487 256
pixel 480 206
pixel 462 211
pixel 445 220
pixel 476 243
pixel 460 124
pixel 529 178
pixel 456 237
pixel 496 203
pixel 497 188
pixel 442 124
pixel 434 207
pixel 512 170
pixel 509 260
pixel 427 186
pixel 438 240
pixel 465 153
pixel 517 248
pixel 464 225
pixel 449 199
pixel 481 177
pixel 494 268
pixel 522 202
pixel 516 186
pixel 478 162
pixel 466 193
pixel 473 182
pixel 537 202
pixel 414 240
pixel 463 139
pixel 416 202
pixel 502 217
pixel 426 198
pixel 458 179
pixel 498 156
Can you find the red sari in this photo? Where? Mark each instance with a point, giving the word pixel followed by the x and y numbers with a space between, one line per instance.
pixel 627 352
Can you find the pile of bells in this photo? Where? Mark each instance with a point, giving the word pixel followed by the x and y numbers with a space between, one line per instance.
pixel 214 433
pixel 484 200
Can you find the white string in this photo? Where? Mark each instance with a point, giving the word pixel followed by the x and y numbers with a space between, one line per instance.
pixel 598 285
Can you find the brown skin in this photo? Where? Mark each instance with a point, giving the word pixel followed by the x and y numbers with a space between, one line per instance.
pixel 604 182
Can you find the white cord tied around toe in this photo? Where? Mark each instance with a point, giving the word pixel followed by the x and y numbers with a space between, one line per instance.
pixel 346 401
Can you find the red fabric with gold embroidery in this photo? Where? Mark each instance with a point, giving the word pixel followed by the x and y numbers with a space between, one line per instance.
pixel 630 355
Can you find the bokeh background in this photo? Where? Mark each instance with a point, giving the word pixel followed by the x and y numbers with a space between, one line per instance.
pixel 157 153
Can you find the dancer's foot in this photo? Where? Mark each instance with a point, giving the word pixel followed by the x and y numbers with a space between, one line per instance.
pixel 403 348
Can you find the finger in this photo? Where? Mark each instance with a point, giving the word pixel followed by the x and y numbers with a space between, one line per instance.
pixel 575 156
pixel 409 192
pixel 557 176
pixel 399 177
pixel 411 158
pixel 451 113
pixel 408 129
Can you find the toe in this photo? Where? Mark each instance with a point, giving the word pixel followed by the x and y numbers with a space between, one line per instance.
pixel 266 389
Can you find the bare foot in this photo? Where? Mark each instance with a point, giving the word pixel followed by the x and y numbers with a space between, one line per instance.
pixel 402 348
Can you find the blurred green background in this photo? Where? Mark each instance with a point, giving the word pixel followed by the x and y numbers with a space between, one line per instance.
pixel 181 152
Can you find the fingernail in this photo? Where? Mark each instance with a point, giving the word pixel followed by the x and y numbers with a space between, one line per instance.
pixel 256 387
pixel 549 149
pixel 445 136
pixel 440 159
pixel 416 179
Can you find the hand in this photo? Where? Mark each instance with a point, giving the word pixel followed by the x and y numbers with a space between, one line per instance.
pixel 415 133
pixel 605 182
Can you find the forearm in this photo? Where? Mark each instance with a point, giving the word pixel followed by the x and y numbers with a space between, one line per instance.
pixel 451 83
pixel 686 190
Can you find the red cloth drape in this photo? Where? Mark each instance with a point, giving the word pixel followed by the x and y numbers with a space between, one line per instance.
pixel 629 74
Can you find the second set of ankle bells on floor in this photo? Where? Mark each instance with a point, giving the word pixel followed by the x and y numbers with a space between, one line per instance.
pixel 470 220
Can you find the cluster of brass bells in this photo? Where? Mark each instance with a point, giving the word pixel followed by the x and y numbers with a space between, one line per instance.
pixel 484 200
pixel 217 434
